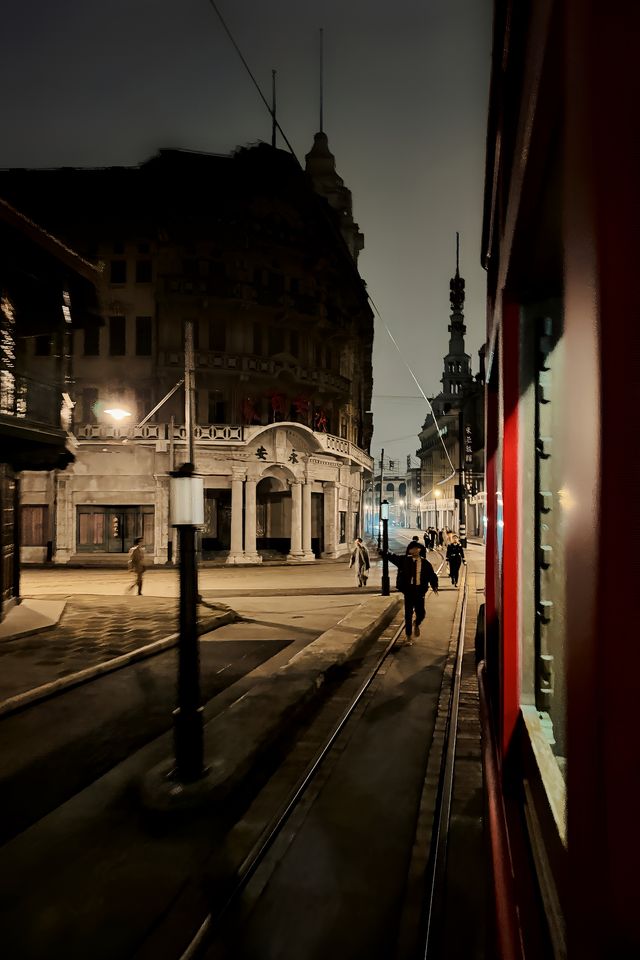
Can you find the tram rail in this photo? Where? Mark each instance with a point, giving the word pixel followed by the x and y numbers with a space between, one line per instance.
pixel 437 871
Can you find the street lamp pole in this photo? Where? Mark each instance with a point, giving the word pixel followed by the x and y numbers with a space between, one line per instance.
pixel 188 509
pixel 384 516
pixel 380 497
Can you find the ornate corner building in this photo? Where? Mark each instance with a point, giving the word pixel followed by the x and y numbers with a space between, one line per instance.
pixel 261 256
pixel 458 426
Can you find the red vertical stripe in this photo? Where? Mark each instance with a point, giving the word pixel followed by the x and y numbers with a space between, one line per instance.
pixel 510 488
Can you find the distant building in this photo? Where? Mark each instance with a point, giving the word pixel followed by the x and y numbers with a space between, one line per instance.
pixel 261 257
pixel 46 293
pixel 458 423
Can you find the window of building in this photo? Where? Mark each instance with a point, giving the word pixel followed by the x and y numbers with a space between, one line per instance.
pixel 328 359
pixel 144 246
pixel 343 428
pixel 343 526
pixel 390 488
pixel 317 355
pixel 143 271
pixel 217 334
pixel 276 340
pixel 294 344
pixel 217 412
pixel 92 342
pixel 34 525
pixel 118 271
pixel 257 338
pixel 117 336
pixel 294 285
pixel 118 246
pixel 89 405
pixel 42 346
pixel 143 336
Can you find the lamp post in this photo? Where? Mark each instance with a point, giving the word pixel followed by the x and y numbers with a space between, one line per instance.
pixel 416 504
pixel 384 516
pixel 437 494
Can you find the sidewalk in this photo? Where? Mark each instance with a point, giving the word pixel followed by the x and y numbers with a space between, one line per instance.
pixel 43 642
pixel 117 872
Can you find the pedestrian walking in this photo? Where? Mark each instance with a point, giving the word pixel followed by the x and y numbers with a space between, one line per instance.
pixel 360 560
pixel 455 557
pixel 415 542
pixel 135 563
pixel 427 540
pixel 415 576
pixel 441 537
pixel 432 538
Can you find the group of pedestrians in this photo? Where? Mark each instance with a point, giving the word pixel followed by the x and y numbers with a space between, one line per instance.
pixel 415 574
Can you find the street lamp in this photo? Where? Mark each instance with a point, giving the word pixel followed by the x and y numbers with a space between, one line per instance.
pixel 384 516
pixel 416 504
pixel 437 494
pixel 404 513
pixel 118 413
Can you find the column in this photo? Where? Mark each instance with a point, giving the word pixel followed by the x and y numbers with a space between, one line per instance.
pixel 236 553
pixel 251 554
pixel 64 546
pixel 306 521
pixel 330 493
pixel 296 521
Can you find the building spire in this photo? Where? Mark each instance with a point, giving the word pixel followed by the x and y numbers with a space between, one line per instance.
pixel 456 284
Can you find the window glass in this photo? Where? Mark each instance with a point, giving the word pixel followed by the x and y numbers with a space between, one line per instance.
pixel 143 271
pixel 118 271
pixel 217 334
pixel 92 342
pixel 143 336
pixel 117 336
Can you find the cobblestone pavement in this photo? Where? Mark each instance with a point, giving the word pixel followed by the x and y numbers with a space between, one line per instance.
pixel 92 629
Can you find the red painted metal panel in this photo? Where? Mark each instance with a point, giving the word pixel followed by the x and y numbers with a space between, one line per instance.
pixel 511 550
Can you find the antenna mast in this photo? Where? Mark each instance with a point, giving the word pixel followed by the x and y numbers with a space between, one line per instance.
pixel 321 80
pixel 273 108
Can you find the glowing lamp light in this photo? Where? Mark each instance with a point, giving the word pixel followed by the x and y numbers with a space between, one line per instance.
pixel 417 501
pixel 437 493
pixel 118 413
pixel 384 510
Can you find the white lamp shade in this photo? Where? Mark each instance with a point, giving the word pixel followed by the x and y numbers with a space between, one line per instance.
pixel 384 510
pixel 187 501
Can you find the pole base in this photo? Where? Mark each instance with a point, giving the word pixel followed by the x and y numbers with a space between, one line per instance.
pixel 163 794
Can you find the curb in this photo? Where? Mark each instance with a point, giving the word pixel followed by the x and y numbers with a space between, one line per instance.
pixel 51 689
pixel 274 701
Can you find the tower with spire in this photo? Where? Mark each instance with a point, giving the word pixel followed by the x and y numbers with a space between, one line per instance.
pixel 320 166
pixel 456 378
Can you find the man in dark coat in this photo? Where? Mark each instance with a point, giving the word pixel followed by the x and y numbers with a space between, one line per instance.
pixel 415 576
pixel 455 556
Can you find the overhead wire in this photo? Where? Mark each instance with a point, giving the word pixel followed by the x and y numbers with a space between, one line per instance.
pixel 236 47
pixel 417 383
pixel 226 29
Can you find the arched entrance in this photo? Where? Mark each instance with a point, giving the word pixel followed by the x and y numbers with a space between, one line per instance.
pixel 273 515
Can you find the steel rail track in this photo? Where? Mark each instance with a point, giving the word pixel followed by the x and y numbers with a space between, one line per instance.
pixel 436 878
pixel 271 832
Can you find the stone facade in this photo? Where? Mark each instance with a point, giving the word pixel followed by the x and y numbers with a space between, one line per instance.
pixel 246 249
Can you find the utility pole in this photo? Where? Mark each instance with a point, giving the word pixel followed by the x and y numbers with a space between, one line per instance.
pixel 462 493
pixel 384 515
pixel 380 498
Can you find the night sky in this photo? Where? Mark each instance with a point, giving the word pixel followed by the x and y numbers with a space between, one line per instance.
pixel 406 86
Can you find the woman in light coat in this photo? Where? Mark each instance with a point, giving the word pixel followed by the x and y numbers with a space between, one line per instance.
pixel 360 560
